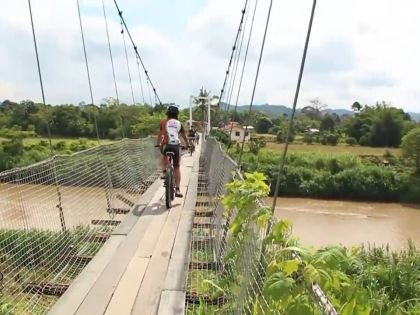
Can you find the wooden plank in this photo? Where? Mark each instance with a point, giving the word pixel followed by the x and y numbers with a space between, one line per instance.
pixel 126 292
pixel 176 277
pixel 125 200
pixel 172 303
pixel 101 292
pixel 149 294
pixel 74 296
pixel 105 222
pixel 131 219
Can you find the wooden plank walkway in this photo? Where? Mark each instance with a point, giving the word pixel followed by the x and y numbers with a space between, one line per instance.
pixel 142 268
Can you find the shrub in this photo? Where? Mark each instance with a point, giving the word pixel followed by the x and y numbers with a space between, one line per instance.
pixel 332 139
pixel 364 141
pixel 351 141
pixel 308 139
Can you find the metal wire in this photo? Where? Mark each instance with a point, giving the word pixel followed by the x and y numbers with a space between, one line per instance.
pixel 39 74
pixel 128 64
pixel 256 80
pixel 241 277
pixel 55 216
pixel 140 80
pixel 87 69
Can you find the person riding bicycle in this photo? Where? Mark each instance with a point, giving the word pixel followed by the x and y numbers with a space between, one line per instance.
pixel 168 141
pixel 191 135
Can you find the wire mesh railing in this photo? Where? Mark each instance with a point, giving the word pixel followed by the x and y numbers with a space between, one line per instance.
pixel 55 216
pixel 228 270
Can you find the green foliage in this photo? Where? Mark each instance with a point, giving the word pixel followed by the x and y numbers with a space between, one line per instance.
pixel 263 125
pixel 342 176
pixel 308 138
pixel 351 141
pixel 411 146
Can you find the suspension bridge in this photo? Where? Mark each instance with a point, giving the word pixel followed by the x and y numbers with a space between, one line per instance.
pixel 89 233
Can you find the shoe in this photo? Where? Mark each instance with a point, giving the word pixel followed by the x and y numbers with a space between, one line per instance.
pixel 163 176
pixel 178 193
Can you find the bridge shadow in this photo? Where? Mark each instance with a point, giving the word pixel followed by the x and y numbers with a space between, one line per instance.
pixel 156 208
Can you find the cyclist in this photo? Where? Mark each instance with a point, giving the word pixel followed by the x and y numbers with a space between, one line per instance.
pixel 191 135
pixel 168 141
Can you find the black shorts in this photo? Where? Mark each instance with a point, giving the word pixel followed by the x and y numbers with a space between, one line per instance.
pixel 176 149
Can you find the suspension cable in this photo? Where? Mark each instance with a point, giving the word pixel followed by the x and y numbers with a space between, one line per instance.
pixel 120 13
pixel 289 129
pixel 87 69
pixel 140 80
pixel 110 52
pixel 232 54
pixel 128 64
pixel 236 63
pixel 255 81
pixel 150 94
pixel 40 76
pixel 243 69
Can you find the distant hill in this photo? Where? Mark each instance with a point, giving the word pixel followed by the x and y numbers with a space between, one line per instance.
pixel 415 116
pixel 278 110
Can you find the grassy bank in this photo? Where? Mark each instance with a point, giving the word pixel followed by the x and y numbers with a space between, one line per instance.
pixel 342 176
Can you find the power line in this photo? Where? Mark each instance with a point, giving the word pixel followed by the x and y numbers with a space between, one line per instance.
pixel 289 129
pixel 120 13
pixel 256 80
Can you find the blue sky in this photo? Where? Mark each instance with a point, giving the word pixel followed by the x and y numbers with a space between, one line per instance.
pixel 360 50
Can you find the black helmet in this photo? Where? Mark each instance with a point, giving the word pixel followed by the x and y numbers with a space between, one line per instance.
pixel 172 110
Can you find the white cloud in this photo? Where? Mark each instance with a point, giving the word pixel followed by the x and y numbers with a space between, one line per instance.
pixel 359 50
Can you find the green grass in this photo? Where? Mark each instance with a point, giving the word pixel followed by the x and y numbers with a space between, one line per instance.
pixel 341 148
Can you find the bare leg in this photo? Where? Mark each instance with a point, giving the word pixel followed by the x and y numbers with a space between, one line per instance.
pixel 164 162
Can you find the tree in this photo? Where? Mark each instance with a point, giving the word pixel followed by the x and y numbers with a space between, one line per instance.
pixel 263 124
pixel 411 146
pixel 327 123
pixel 356 107
pixel 315 109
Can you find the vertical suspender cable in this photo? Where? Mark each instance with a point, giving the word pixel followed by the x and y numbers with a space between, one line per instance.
pixel 112 65
pixel 128 64
pixel 243 69
pixel 40 75
pixel 222 91
pixel 140 80
pixel 110 53
pixel 289 130
pixel 255 82
pixel 120 13
pixel 236 64
pixel 87 69
pixel 148 89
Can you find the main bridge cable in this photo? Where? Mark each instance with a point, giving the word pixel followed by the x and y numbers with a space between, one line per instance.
pixel 232 54
pixel 243 70
pixel 120 13
pixel 255 81
pixel 87 69
pixel 40 76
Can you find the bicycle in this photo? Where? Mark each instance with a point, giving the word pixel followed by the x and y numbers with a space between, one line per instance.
pixel 192 145
pixel 169 180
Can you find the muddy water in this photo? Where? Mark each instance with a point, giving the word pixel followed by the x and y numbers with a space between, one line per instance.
pixel 35 206
pixel 323 222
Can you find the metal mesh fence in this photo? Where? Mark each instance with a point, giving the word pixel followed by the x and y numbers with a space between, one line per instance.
pixel 226 272
pixel 55 216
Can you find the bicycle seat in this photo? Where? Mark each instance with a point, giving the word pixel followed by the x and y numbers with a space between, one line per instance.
pixel 170 154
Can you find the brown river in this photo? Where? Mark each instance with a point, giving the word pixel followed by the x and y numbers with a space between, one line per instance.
pixel 324 222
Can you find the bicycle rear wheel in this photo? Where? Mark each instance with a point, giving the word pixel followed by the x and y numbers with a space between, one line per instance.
pixel 168 189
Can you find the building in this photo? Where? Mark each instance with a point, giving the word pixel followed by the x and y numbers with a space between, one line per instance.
pixel 238 131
